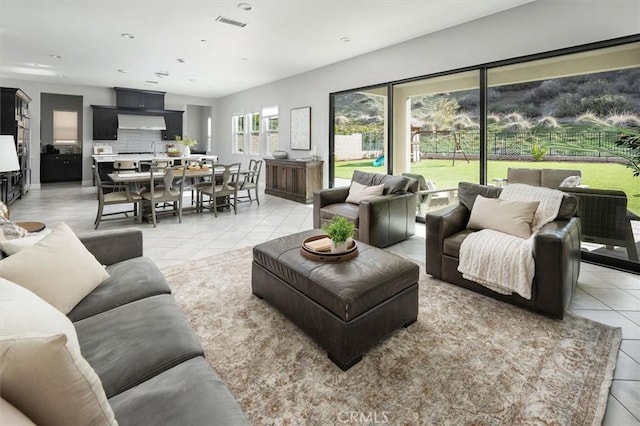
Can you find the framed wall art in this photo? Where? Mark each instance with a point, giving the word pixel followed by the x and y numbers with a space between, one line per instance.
pixel 301 128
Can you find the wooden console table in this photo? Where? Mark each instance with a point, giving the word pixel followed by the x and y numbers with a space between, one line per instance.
pixel 293 179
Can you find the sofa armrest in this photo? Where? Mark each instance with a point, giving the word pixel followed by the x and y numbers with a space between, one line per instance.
pixel 438 226
pixel 557 255
pixel 325 197
pixel 113 246
pixel 387 219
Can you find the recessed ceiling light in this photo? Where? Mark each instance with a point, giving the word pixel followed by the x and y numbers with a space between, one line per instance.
pixel 245 6
pixel 345 39
pixel 123 71
pixel 193 80
pixel 203 41
pixel 127 35
pixel 161 74
pixel 243 59
pixel 55 56
pixel 181 60
pixel 150 82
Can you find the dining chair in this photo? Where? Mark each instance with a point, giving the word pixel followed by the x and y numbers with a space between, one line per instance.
pixel 126 166
pixel 168 191
pixel 250 181
pixel 221 187
pixel 120 194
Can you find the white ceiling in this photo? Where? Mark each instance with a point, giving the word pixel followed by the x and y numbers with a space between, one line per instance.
pixel 281 38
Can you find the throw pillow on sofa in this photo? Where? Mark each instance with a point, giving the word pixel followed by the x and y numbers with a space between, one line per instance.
pixel 510 217
pixel 12 416
pixel 66 271
pixel 359 192
pixel 21 312
pixel 45 381
pixel 9 230
pixel 17 244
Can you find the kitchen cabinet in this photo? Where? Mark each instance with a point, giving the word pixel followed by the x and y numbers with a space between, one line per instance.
pixel 143 99
pixel 14 121
pixel 292 179
pixel 60 167
pixel 105 123
pixel 173 121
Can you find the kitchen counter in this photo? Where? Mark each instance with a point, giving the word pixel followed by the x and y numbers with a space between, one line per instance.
pixel 110 158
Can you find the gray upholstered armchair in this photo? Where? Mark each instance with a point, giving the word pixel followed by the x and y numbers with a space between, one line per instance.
pixel 380 221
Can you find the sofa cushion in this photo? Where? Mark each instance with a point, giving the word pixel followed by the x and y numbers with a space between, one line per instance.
pixel 552 178
pixel 451 245
pixel 526 176
pixel 136 341
pixel 359 192
pixel 190 393
pixel 49 384
pixel 348 210
pixel 22 312
pixel 392 184
pixel 467 193
pixel 66 271
pixel 508 216
pixel 129 280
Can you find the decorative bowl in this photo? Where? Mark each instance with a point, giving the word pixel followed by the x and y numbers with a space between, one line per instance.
pixel 280 155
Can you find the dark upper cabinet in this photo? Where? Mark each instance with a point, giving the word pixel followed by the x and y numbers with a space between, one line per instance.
pixel 143 99
pixel 173 121
pixel 105 124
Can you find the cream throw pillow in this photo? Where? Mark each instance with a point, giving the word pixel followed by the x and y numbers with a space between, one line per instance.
pixel 50 385
pixel 58 268
pixel 23 312
pixel 510 217
pixel 359 192
pixel 10 415
pixel 17 244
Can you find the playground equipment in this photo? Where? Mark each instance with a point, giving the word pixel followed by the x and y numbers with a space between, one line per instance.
pixel 379 162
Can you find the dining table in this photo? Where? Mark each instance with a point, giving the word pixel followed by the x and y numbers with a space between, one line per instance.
pixel 138 177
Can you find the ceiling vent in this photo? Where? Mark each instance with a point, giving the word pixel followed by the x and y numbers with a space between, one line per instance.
pixel 230 21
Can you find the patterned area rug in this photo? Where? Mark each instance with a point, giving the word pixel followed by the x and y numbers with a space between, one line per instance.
pixel 467 360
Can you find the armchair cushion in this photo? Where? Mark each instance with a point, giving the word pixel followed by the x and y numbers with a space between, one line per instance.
pixel 510 217
pixel 359 192
pixel 392 184
pixel 349 210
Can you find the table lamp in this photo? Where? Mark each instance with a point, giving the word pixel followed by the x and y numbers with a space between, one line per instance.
pixel 8 154
pixel 8 162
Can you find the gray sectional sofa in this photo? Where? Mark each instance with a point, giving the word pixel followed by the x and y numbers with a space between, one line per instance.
pixel 134 335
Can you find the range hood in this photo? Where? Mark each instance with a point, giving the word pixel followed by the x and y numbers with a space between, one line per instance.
pixel 141 122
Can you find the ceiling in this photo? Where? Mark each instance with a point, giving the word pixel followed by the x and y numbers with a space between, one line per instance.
pixel 281 38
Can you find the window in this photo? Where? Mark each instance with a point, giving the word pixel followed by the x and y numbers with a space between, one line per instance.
pixel 270 115
pixel 209 134
pixel 273 138
pixel 238 133
pixel 65 127
pixel 254 138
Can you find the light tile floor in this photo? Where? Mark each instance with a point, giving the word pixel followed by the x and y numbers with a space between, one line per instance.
pixel 604 295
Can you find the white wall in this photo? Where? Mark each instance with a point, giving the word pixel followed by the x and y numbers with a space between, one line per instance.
pixel 533 28
pixel 91 96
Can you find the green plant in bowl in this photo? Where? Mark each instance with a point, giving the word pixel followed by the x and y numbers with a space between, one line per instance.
pixel 185 141
pixel 340 229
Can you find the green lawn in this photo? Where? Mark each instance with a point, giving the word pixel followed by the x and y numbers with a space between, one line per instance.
pixel 596 175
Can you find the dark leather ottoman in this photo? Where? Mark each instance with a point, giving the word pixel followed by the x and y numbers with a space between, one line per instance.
pixel 346 307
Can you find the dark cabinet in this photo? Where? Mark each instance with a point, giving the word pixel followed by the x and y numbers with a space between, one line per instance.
pixel 60 167
pixel 105 123
pixel 173 121
pixel 14 121
pixel 143 99
pixel 292 179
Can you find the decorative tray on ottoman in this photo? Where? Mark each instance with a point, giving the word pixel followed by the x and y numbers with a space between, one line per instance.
pixel 316 248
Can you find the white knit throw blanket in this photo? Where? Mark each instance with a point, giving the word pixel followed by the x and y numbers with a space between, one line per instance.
pixel 504 263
